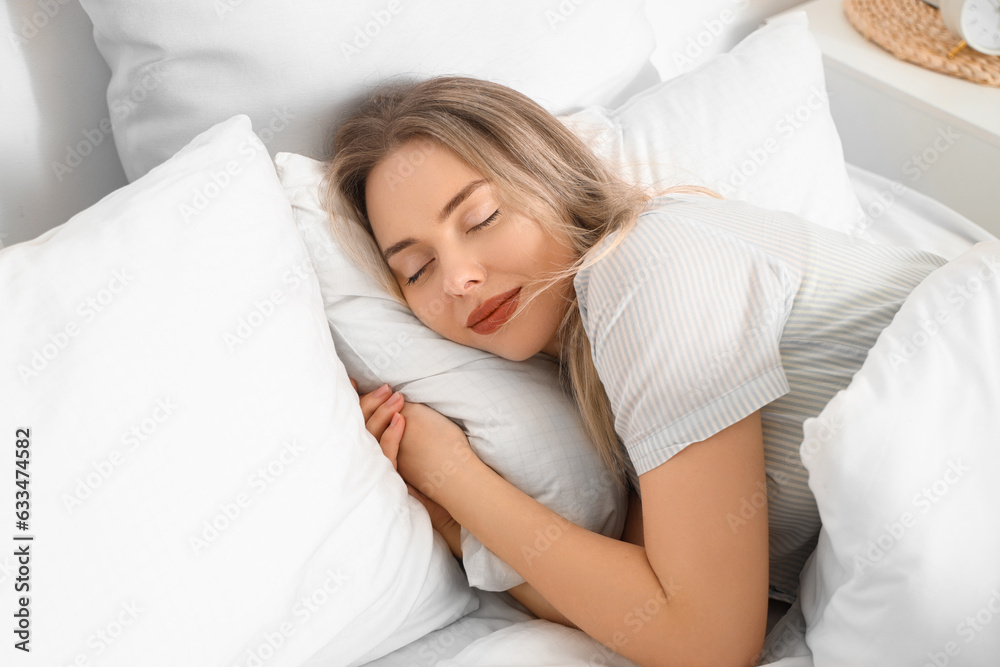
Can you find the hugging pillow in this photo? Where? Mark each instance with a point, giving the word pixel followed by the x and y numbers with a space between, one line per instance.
pixel 518 419
pixel 687 130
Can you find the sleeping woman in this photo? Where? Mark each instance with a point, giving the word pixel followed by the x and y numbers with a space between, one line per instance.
pixel 696 335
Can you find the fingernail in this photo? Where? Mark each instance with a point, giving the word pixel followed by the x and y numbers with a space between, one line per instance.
pixel 394 399
pixel 396 418
pixel 382 391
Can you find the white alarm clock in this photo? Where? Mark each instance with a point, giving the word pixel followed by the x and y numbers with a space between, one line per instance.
pixel 977 22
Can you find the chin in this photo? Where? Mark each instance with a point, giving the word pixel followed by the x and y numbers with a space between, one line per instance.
pixel 515 357
pixel 517 353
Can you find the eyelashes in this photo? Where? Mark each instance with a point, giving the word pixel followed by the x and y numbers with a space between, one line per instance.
pixel 482 225
pixel 487 221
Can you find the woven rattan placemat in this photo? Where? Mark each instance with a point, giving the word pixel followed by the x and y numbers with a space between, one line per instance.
pixel 913 31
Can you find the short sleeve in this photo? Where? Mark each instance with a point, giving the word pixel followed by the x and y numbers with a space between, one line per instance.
pixel 684 322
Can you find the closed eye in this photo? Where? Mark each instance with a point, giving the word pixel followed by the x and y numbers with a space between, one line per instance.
pixel 482 225
pixel 487 221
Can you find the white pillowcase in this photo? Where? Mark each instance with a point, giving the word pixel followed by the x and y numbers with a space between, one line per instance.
pixel 518 419
pixel 904 465
pixel 294 68
pixel 202 486
pixel 753 124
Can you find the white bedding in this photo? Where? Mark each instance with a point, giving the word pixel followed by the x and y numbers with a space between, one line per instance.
pixel 499 633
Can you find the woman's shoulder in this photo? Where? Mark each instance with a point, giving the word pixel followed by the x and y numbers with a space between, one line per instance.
pixel 686 238
pixel 671 224
pixel 701 209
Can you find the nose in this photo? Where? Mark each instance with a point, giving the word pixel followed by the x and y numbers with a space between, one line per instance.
pixel 462 275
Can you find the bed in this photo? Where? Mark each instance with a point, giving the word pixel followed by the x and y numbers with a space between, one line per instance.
pixel 189 476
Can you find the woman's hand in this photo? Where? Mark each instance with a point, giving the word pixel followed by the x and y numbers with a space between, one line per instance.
pixel 382 411
pixel 432 451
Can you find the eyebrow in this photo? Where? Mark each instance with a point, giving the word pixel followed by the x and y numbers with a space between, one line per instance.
pixel 448 209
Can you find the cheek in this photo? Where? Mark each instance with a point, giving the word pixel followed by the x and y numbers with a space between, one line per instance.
pixel 525 246
pixel 428 308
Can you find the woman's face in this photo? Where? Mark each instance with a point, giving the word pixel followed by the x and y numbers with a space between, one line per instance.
pixel 464 263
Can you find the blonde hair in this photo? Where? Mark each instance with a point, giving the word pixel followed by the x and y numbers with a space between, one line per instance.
pixel 537 166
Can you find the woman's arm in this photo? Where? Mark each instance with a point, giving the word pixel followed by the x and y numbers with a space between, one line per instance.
pixel 449 529
pixel 695 594
pixel 538 605
pixel 378 412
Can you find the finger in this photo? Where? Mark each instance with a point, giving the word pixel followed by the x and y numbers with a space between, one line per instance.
pixel 379 420
pixel 391 438
pixel 373 399
pixel 354 384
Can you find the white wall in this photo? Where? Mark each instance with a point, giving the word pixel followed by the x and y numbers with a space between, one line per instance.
pixel 53 85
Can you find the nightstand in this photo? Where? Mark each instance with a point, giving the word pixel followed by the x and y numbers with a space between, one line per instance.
pixel 934 133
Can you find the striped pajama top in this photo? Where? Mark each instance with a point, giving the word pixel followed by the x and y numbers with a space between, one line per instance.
pixel 711 309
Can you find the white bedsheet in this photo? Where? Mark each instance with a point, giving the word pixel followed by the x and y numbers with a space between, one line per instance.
pixel 500 633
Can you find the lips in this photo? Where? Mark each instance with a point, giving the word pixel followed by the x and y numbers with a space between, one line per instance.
pixel 493 312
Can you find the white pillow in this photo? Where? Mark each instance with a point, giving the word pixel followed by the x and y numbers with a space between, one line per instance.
pixel 202 487
pixel 518 419
pixel 294 67
pixel 904 465
pixel 753 124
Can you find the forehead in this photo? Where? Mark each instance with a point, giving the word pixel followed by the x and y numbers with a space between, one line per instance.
pixel 414 182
